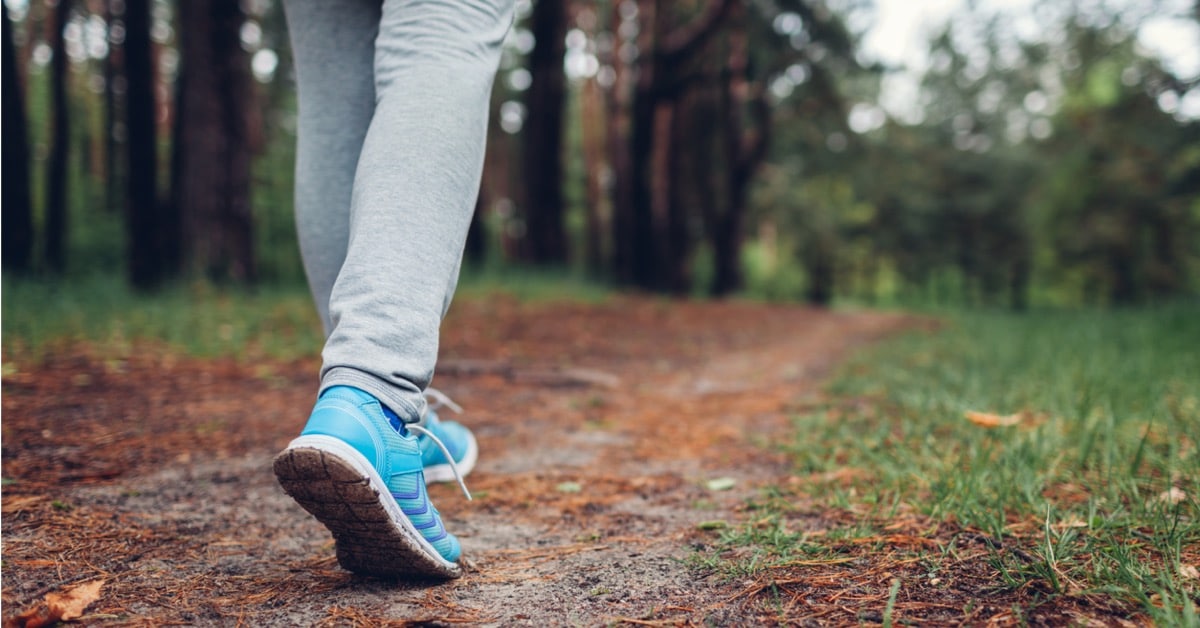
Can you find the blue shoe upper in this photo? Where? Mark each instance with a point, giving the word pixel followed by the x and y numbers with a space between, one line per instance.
pixel 359 420
pixel 453 435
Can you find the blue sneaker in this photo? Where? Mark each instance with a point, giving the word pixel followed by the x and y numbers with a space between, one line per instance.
pixel 459 443
pixel 364 480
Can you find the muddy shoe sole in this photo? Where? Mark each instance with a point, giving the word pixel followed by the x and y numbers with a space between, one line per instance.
pixel 337 485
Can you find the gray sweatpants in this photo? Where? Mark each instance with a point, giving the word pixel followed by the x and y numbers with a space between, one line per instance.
pixel 393 107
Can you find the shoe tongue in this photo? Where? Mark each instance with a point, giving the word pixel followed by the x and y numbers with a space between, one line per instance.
pixel 394 419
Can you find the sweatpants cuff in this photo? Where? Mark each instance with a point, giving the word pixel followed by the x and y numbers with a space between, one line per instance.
pixel 408 405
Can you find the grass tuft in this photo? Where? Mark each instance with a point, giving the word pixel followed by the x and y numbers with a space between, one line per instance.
pixel 1095 491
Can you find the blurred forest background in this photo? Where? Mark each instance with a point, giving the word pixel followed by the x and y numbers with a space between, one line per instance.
pixel 700 147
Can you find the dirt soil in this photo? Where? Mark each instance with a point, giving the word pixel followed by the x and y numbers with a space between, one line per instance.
pixel 600 428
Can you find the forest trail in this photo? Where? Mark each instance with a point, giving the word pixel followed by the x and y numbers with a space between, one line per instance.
pixel 608 434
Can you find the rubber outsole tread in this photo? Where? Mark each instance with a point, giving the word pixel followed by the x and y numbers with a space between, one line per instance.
pixel 368 541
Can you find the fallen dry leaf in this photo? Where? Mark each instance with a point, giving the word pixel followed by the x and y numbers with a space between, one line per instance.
pixel 58 606
pixel 1189 571
pixel 986 419
pixel 1071 522
pixel 721 484
pixel 1172 496
pixel 71 603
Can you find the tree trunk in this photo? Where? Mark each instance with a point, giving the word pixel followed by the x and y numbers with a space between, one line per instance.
pixel 213 142
pixel 707 170
pixel 726 241
pixel 820 267
pixel 690 189
pixel 617 104
pixel 60 145
pixel 592 140
pixel 669 212
pixel 664 50
pixel 645 95
pixel 725 233
pixel 112 69
pixel 745 149
pixel 727 269
pixel 143 219
pixel 17 207
pixel 542 157
pixel 641 234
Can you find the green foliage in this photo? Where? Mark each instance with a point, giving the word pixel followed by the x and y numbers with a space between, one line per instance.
pixel 1097 483
pixel 1033 169
pixel 769 279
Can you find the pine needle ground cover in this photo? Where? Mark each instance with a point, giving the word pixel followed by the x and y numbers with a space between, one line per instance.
pixel 1038 467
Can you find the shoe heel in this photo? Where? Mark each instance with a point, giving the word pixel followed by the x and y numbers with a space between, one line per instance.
pixel 328 479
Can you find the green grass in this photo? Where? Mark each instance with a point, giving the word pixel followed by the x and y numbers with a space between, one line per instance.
pixel 1110 407
pixel 530 284
pixel 200 319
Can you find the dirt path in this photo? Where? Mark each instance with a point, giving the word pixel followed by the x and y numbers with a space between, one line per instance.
pixel 600 427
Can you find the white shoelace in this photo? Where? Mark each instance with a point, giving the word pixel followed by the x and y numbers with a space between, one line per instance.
pixel 453 467
pixel 438 399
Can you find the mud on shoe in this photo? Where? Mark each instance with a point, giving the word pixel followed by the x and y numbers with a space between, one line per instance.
pixel 363 479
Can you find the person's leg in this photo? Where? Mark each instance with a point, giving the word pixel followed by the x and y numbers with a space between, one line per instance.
pixel 333 44
pixel 334 47
pixel 359 465
pixel 414 191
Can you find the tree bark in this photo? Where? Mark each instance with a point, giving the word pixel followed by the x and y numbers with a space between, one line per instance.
pixel 17 206
pixel 819 265
pixel 112 148
pixel 686 151
pixel 648 89
pixel 542 157
pixel 592 140
pixel 725 229
pixel 665 50
pixel 60 145
pixel 214 132
pixel 619 104
pixel 641 147
pixel 669 224
pixel 144 222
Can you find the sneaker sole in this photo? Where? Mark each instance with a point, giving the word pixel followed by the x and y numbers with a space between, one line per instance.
pixel 443 472
pixel 337 485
